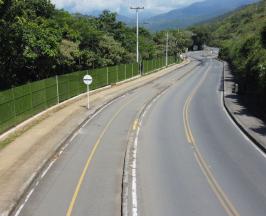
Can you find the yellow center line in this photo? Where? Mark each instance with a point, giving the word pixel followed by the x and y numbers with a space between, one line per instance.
pixel 185 119
pixel 216 188
pixel 91 155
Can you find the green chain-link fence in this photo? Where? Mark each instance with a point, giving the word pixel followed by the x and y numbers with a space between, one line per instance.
pixel 18 104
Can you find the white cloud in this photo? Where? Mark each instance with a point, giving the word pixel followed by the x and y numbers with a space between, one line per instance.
pixel 120 6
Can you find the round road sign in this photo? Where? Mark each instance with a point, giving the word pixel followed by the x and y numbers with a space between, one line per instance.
pixel 87 79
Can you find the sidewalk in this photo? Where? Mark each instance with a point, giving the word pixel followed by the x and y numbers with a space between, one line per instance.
pixel 23 159
pixel 252 126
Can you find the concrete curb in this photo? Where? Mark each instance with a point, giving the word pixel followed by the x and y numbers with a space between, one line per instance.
pixel 238 122
pixel 23 192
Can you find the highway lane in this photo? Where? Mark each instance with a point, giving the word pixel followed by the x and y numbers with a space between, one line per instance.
pixel 235 162
pixel 86 178
pixel 170 181
pixel 191 159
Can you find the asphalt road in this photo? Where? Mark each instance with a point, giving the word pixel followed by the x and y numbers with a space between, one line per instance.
pixel 188 157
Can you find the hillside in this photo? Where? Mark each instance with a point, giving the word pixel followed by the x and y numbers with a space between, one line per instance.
pixel 195 13
pixel 242 38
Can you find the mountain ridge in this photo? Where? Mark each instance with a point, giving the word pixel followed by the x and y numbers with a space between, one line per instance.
pixel 194 13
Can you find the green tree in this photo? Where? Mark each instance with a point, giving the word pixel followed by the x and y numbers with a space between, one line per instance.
pixel 263 36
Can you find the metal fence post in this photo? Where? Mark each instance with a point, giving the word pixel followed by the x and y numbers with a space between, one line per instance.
pixel 107 75
pixel 116 74
pixel 57 89
pixel 125 71
pixel 132 70
pixel 14 104
pixel 140 68
pixel 31 102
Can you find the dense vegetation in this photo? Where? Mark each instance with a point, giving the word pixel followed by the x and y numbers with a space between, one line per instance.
pixel 38 41
pixel 242 38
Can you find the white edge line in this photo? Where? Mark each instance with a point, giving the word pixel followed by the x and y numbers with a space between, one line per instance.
pixel 26 200
pixel 134 161
pixel 47 169
pixel 100 110
pixel 19 209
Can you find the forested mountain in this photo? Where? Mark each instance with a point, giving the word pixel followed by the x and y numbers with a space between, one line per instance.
pixel 242 38
pixel 38 41
pixel 195 13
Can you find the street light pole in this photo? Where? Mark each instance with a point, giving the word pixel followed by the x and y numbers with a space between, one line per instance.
pixel 166 50
pixel 137 32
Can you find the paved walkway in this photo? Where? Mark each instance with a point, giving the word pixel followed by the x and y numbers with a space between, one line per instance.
pixel 23 159
pixel 254 127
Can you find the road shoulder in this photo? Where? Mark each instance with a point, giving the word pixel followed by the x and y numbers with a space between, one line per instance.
pixel 253 127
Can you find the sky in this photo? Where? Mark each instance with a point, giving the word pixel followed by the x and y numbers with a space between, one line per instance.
pixel 120 6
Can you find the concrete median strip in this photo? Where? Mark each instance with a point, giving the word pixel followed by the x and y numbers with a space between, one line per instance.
pixel 30 154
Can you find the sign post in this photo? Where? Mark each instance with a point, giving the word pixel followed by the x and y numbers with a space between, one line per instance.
pixel 87 79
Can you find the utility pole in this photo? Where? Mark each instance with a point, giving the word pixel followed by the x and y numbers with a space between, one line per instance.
pixel 137 12
pixel 166 49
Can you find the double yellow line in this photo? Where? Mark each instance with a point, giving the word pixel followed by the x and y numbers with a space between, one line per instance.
pixel 225 202
pixel 188 131
pixel 91 155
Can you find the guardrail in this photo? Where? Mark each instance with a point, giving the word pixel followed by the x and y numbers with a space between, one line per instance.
pixel 22 102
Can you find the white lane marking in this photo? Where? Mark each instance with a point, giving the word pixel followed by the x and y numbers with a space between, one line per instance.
pixel 65 146
pixel 134 176
pixel 19 209
pixel 29 195
pixel 47 169
pixel 61 151
pixel 134 156
pixel 104 107
pixel 26 200
pixel 74 136
pixel 240 130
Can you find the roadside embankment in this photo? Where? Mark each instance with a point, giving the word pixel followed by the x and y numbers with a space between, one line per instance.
pixel 252 126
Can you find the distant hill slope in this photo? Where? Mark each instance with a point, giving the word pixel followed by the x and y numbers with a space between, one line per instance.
pixel 241 35
pixel 236 25
pixel 195 13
